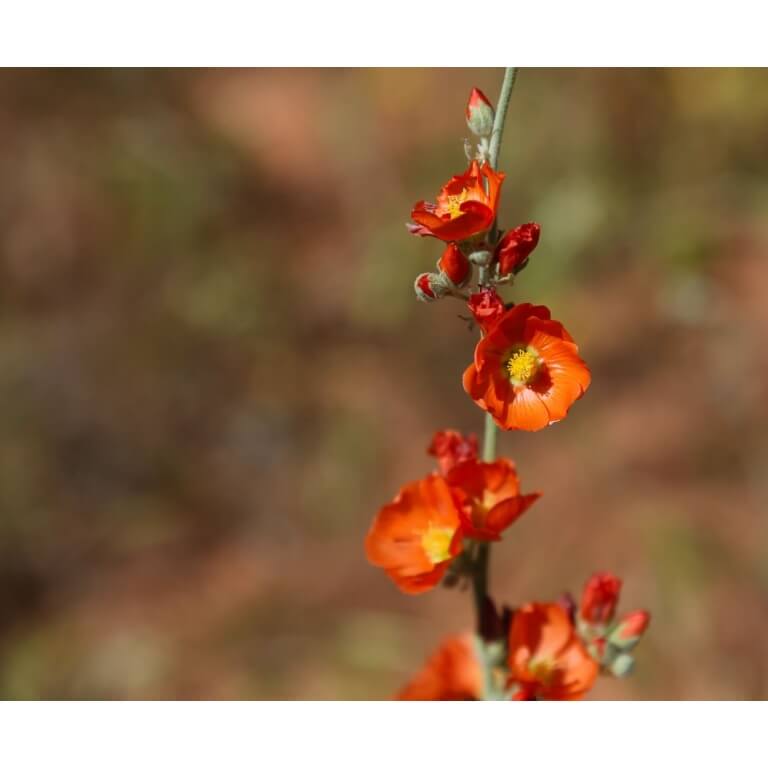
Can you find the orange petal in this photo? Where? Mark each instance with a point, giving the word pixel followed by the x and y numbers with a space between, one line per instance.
pixel 495 180
pixel 526 411
pixel 415 585
pixel 506 512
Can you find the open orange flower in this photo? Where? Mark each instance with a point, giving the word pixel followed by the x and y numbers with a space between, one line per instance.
pixel 546 658
pixel 415 537
pixel 490 492
pixel 463 207
pixel 526 372
pixel 452 673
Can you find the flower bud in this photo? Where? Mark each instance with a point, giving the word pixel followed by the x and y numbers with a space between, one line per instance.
pixel 629 630
pixel 622 665
pixel 430 286
pixel 454 265
pixel 514 248
pixel 479 113
pixel 450 448
pixel 599 599
pixel 486 307
pixel 481 258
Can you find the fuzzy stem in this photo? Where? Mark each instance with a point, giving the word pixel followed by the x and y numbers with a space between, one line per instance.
pixel 481 562
pixel 510 75
pixel 494 147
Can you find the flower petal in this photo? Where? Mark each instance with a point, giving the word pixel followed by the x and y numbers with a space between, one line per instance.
pixel 526 411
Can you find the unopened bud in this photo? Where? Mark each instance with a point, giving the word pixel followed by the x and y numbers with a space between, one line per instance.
pixel 629 630
pixel 486 307
pixel 516 246
pixel 622 665
pixel 454 265
pixel 430 286
pixel 481 258
pixel 450 448
pixel 479 113
pixel 599 599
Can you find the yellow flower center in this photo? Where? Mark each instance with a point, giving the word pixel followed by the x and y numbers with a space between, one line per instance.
pixel 543 669
pixel 453 204
pixel 437 543
pixel 522 366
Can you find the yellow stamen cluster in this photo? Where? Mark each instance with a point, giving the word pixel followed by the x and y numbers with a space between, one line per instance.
pixel 542 669
pixel 522 366
pixel 437 543
pixel 453 204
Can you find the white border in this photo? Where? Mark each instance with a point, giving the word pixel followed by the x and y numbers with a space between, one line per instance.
pixel 395 32
pixel 385 734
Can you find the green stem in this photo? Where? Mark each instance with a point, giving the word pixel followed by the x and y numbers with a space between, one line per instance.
pixel 510 75
pixel 483 552
pixel 489 439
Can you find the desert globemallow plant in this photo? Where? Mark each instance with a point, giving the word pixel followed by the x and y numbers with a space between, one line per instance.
pixel 526 374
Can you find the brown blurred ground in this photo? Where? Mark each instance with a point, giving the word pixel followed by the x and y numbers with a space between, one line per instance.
pixel 213 371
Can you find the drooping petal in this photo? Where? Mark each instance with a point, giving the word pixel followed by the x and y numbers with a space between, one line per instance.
pixel 525 411
pixel 506 512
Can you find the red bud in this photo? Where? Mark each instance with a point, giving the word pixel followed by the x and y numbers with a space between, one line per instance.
pixel 479 113
pixel 429 286
pixel 454 264
pixel 486 307
pixel 634 624
pixel 629 630
pixel 599 599
pixel 515 247
pixel 450 448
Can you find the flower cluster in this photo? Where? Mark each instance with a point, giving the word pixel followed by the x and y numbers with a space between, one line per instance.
pixel 526 370
pixel 425 530
pixel 526 373
pixel 545 652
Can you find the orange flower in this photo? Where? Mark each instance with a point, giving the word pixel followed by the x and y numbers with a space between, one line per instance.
pixel 546 658
pixel 450 447
pixel 526 372
pixel 463 207
pixel 599 599
pixel 491 497
pixel 415 537
pixel 452 673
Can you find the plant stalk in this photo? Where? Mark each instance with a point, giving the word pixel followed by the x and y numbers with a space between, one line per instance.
pixel 482 556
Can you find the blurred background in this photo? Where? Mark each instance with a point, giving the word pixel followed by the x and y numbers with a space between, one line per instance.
pixel 213 371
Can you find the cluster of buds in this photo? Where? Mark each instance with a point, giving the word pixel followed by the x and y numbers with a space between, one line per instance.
pixel 427 536
pixel 610 641
pixel 525 373
pixel 536 651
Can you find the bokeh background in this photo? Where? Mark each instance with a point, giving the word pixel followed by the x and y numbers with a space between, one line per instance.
pixel 213 371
